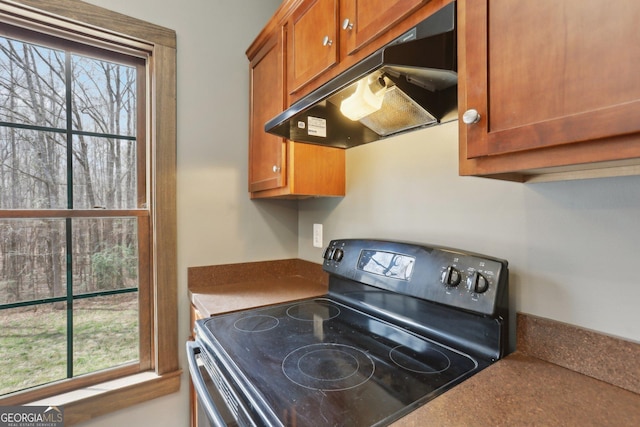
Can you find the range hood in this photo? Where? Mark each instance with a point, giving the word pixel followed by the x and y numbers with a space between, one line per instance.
pixel 407 85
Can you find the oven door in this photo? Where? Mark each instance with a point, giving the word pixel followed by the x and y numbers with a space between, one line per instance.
pixel 211 410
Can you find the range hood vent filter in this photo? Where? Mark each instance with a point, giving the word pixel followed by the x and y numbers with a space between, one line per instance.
pixel 398 113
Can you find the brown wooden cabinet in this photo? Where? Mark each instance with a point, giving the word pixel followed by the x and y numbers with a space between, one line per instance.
pixel 277 167
pixel 304 45
pixel 266 159
pixel 312 41
pixel 362 21
pixel 555 85
pixel 321 33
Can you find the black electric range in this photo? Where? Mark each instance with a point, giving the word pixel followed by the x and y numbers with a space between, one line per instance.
pixel 400 324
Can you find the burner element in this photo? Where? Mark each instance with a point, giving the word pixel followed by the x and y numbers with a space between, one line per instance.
pixel 313 311
pixel 328 367
pixel 425 361
pixel 257 323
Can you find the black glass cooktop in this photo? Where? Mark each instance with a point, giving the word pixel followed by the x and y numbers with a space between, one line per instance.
pixel 319 362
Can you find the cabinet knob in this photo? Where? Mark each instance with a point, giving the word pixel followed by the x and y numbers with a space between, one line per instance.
pixel 347 24
pixel 471 116
pixel 276 168
pixel 326 41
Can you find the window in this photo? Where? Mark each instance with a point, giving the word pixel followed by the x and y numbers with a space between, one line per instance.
pixel 87 176
pixel 70 279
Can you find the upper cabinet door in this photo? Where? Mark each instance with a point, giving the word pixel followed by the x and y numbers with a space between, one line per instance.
pixel 361 21
pixel 548 73
pixel 266 151
pixel 312 41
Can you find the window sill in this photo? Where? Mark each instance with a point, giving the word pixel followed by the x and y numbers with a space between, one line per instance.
pixel 90 402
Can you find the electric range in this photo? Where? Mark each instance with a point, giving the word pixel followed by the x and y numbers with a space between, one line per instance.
pixel 401 323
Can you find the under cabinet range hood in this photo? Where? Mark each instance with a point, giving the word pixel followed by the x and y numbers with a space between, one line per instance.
pixel 408 84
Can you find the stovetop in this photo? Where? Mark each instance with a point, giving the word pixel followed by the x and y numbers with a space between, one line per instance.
pixel 320 362
pixel 400 324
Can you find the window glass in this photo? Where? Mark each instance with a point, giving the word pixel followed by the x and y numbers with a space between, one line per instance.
pixel 104 173
pixel 105 332
pixel 32 169
pixel 32 84
pixel 104 96
pixel 32 260
pixel 105 254
pixel 33 343
pixel 70 227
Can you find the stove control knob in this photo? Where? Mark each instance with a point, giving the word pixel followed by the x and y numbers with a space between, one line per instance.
pixel 328 253
pixel 450 276
pixel 338 254
pixel 477 283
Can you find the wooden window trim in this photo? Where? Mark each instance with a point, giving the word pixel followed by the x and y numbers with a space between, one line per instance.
pixel 105 28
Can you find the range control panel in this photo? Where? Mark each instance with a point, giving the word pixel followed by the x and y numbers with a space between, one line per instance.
pixel 447 276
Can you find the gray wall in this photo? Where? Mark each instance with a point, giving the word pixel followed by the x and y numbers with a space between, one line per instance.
pixel 573 247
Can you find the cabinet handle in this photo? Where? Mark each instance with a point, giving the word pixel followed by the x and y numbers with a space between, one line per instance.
pixel 326 41
pixel 347 24
pixel 471 116
pixel 276 168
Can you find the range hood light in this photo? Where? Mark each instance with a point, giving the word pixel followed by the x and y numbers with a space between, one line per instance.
pixel 363 101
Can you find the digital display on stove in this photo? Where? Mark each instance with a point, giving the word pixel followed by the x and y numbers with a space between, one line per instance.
pixel 388 264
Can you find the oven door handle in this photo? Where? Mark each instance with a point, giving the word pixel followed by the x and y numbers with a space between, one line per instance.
pixel 208 404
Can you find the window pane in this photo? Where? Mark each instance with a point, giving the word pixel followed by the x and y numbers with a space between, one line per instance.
pixel 33 346
pixel 31 84
pixel 104 97
pixel 68 140
pixel 104 173
pixel 105 332
pixel 32 169
pixel 105 254
pixel 32 259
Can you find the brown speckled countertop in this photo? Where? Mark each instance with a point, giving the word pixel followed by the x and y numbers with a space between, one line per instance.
pixel 522 390
pixel 229 287
pixel 238 296
pixel 560 375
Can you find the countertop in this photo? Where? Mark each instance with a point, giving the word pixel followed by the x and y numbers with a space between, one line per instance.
pixel 217 289
pixel 560 375
pixel 522 390
pixel 241 295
